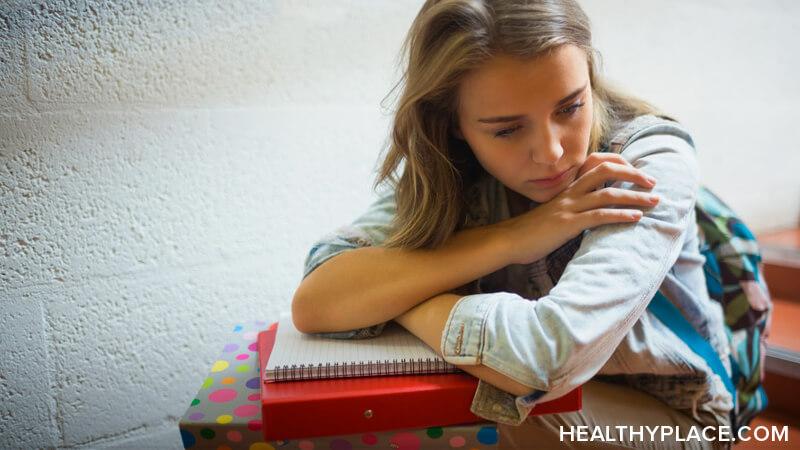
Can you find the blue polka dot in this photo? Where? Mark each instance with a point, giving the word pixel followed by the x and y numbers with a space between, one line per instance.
pixel 237 328
pixel 487 435
pixel 253 383
pixel 188 439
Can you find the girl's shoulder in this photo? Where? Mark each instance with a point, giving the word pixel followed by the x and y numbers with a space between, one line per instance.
pixel 645 125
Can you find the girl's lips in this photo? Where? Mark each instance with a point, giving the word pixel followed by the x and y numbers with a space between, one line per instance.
pixel 546 182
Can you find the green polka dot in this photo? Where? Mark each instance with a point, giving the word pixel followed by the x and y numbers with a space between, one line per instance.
pixel 207 384
pixel 434 432
pixel 195 402
pixel 207 433
pixel 243 368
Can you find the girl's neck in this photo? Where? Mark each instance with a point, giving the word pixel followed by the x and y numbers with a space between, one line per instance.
pixel 517 203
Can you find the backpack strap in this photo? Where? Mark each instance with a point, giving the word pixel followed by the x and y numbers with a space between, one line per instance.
pixel 660 305
pixel 670 316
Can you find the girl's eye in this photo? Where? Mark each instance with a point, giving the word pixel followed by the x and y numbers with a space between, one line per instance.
pixel 569 112
pixel 506 132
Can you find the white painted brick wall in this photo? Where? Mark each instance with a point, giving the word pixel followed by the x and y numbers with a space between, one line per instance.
pixel 164 168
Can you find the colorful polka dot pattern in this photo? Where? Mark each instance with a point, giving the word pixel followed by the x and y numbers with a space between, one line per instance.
pixel 226 413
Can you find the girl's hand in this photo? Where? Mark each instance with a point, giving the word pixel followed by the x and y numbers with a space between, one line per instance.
pixel 583 204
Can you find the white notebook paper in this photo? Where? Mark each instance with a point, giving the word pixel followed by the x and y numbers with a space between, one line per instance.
pixel 302 356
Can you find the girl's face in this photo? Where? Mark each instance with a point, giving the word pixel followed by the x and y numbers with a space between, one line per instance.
pixel 528 120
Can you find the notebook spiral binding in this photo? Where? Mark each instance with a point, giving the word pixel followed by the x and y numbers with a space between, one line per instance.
pixel 361 369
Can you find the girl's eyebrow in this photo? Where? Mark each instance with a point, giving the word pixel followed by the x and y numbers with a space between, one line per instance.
pixel 500 119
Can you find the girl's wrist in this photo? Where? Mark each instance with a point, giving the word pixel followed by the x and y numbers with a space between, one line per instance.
pixel 503 235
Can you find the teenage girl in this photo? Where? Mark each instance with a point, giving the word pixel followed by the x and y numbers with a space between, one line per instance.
pixel 522 242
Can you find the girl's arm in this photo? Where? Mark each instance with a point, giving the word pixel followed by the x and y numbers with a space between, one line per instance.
pixel 427 322
pixel 369 285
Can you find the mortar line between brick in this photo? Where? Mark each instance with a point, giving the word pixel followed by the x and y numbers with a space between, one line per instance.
pixel 56 420
pixel 239 260
pixel 141 430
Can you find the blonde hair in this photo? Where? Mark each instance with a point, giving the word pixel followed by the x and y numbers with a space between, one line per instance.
pixel 447 39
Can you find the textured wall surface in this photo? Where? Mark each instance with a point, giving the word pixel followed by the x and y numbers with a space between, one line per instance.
pixel 165 166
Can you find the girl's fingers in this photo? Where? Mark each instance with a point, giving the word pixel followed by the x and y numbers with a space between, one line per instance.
pixel 615 196
pixel 595 159
pixel 605 171
pixel 602 216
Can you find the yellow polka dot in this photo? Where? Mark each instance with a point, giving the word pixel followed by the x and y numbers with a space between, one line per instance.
pixel 228 380
pixel 225 418
pixel 207 383
pixel 261 446
pixel 219 366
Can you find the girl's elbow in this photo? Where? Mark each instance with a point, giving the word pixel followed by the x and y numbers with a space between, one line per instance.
pixel 301 311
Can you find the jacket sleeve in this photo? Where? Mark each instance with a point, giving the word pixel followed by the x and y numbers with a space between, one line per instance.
pixel 369 229
pixel 562 340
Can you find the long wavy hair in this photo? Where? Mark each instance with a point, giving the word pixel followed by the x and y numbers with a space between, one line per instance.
pixel 447 39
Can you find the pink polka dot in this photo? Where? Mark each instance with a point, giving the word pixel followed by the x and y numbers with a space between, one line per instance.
pixel 405 441
pixel 252 397
pixel 369 439
pixel 222 395
pixel 246 410
pixel 305 445
pixel 242 356
pixel 234 436
pixel 252 347
pixel 254 425
pixel 457 441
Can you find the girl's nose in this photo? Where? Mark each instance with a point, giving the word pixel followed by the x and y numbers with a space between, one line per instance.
pixel 546 147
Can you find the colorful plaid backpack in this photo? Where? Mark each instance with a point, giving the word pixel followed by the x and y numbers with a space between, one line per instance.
pixel 734 277
pixel 733 270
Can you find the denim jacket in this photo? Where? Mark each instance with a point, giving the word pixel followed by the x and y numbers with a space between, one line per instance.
pixel 581 312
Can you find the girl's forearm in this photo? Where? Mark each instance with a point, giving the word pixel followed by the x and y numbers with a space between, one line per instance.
pixel 366 286
pixel 427 321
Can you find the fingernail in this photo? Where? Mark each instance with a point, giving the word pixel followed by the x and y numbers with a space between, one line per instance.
pixel 651 180
pixel 653 199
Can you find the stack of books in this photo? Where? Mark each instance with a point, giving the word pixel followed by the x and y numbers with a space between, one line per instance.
pixel 315 386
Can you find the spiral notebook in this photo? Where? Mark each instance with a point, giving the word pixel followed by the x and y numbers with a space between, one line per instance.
pixel 303 356
pixel 337 407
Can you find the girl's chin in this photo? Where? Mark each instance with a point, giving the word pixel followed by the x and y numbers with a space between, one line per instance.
pixel 544 195
pixel 543 198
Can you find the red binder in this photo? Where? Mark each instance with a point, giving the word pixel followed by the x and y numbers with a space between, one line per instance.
pixel 330 407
